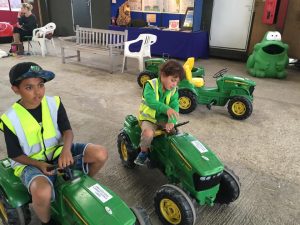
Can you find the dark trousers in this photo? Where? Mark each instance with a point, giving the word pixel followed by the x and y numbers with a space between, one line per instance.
pixel 22 33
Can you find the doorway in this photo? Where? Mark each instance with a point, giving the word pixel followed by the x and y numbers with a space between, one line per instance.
pixel 82 13
pixel 231 23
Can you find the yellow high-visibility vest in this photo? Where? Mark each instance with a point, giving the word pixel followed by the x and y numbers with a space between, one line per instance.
pixel 36 140
pixel 147 113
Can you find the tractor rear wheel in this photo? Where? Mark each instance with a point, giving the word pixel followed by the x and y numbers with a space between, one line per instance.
pixel 126 151
pixel 143 77
pixel 239 108
pixel 187 101
pixel 229 189
pixel 13 216
pixel 174 206
pixel 142 217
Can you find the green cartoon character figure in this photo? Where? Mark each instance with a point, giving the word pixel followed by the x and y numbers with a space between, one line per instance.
pixel 269 58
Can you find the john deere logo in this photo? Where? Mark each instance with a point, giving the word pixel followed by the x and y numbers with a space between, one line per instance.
pixel 35 68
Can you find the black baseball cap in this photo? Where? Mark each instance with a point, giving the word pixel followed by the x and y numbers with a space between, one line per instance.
pixel 25 70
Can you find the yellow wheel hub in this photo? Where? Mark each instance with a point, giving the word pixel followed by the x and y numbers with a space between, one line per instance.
pixel 3 212
pixel 144 79
pixel 238 108
pixel 185 102
pixel 124 151
pixel 170 211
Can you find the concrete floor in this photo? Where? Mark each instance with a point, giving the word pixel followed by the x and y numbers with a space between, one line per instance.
pixel 262 150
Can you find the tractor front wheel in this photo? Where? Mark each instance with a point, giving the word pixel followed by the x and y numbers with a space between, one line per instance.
pixel 142 217
pixel 173 206
pixel 239 108
pixel 229 189
pixel 187 101
pixel 143 77
pixel 126 151
pixel 13 216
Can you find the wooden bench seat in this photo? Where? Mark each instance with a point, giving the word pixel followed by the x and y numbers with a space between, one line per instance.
pixel 95 41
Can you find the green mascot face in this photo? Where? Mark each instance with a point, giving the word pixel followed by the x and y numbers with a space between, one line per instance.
pixel 269 58
pixel 272 44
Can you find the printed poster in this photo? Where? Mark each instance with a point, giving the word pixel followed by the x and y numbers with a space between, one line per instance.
pixel 135 5
pixel 152 5
pixel 4 5
pixel 15 5
pixel 171 6
pixel 184 4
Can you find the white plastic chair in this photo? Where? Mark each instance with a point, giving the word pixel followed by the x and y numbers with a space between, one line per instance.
pixel 145 51
pixel 42 35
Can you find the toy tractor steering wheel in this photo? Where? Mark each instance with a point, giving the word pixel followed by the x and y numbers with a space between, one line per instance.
pixel 220 73
pixel 163 131
pixel 68 171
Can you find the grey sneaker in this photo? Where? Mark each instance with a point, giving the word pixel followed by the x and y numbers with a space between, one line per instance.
pixel 141 158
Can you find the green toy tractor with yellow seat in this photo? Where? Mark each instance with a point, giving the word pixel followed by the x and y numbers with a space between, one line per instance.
pixel 234 90
pixel 194 172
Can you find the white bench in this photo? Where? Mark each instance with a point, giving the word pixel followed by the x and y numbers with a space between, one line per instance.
pixel 96 41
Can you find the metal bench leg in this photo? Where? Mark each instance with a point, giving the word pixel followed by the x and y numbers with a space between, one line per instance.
pixel 63 55
pixel 111 61
pixel 78 55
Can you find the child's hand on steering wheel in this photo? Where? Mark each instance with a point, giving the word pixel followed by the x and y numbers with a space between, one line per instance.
pixel 65 159
pixel 169 127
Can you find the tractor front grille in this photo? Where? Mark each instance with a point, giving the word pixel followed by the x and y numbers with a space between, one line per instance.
pixel 203 183
pixel 251 90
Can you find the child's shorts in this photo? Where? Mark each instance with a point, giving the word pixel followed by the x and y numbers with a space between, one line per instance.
pixel 30 172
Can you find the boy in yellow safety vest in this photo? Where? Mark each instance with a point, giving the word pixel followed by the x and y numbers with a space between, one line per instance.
pixel 38 134
pixel 159 105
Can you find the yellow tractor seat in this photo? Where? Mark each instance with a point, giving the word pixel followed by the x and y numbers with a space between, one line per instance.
pixel 188 66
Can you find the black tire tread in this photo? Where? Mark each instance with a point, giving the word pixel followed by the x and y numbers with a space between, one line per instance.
pixel 151 76
pixel 247 103
pixel 141 215
pixel 122 137
pixel 229 189
pixel 192 97
pixel 181 202
pixel 16 216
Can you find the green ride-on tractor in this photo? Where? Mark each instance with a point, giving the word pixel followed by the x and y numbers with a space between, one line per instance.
pixel 79 200
pixel 194 172
pixel 236 91
pixel 152 69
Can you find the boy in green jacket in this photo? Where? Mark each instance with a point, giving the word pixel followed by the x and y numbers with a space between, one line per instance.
pixel 159 106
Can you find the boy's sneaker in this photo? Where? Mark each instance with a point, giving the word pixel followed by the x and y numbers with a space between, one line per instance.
pixel 141 158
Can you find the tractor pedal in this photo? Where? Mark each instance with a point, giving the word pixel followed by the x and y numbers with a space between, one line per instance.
pixel 210 104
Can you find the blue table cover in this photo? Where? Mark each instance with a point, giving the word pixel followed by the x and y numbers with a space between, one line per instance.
pixel 177 44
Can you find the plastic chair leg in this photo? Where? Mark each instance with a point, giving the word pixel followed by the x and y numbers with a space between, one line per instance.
pixel 43 48
pixel 52 41
pixel 141 64
pixel 124 62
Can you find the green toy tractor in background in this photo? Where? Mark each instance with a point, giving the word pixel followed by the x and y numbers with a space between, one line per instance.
pixel 152 69
pixel 193 170
pixel 79 200
pixel 236 91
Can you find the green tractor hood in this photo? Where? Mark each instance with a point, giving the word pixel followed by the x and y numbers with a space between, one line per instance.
pixel 196 156
pixel 98 205
pixel 237 80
